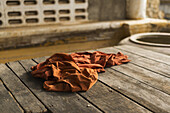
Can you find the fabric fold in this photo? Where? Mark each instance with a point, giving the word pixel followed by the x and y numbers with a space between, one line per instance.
pixel 75 72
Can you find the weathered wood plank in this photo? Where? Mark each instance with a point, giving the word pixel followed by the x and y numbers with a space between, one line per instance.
pixel 111 101
pixel 158 81
pixel 106 98
pixel 146 63
pixel 7 103
pixel 164 50
pixel 41 59
pixel 22 94
pixel 147 96
pixel 153 79
pixel 55 101
pixel 146 53
pixel 149 64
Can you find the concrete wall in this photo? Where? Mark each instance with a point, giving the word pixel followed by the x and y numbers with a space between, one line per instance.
pixel 16 13
pixel 105 10
pixel 95 10
pixel 165 7
pixel 158 9
pixel 153 10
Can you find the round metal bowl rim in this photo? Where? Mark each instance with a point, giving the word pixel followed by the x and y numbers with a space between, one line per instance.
pixel 134 38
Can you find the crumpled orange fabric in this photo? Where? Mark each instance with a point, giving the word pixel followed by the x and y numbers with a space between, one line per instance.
pixel 75 72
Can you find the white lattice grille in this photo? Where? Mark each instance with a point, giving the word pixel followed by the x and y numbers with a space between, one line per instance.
pixel 33 12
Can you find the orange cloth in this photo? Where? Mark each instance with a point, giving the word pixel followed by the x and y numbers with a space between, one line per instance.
pixel 75 72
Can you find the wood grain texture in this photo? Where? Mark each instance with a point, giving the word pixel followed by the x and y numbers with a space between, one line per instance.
pixel 111 101
pixel 41 59
pixel 146 53
pixel 27 100
pixel 7 103
pixel 163 50
pixel 152 65
pixel 155 80
pixel 151 98
pixel 55 101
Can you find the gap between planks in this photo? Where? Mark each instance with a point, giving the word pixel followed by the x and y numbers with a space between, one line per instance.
pixel 113 50
pixel 132 77
pixel 149 64
pixel 146 53
pixel 149 97
pixel 46 109
pixel 141 74
pixel 13 103
pixel 162 50
pixel 19 91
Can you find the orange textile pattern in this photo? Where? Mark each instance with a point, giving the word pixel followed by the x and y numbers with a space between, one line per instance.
pixel 75 72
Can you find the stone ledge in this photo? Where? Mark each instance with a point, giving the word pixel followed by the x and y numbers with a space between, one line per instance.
pixel 51 29
pixel 77 33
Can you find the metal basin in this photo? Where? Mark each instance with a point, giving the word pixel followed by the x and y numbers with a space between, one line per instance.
pixel 152 39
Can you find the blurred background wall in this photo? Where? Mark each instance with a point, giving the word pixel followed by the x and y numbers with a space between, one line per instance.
pixel 24 13
pixel 105 10
pixel 153 10
pixel 165 7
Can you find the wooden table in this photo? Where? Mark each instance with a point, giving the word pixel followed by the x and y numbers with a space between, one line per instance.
pixel 143 85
